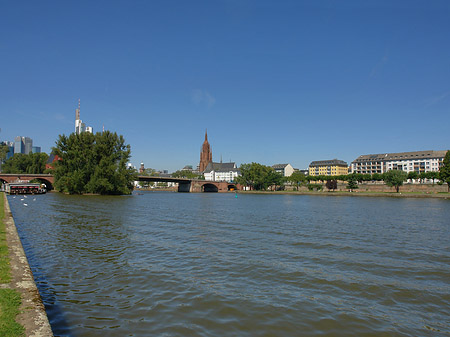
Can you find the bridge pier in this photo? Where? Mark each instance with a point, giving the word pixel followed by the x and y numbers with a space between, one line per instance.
pixel 184 187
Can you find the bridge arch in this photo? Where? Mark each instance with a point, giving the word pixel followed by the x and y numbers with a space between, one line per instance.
pixel 48 184
pixel 232 187
pixel 208 187
pixel 3 181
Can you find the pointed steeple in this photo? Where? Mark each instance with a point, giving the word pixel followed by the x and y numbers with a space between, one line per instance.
pixel 205 154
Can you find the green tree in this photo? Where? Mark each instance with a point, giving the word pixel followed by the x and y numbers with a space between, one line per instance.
pixel 150 172
pixel 93 164
pixel 297 178
pixel 33 163
pixel 185 174
pixel 352 182
pixel 377 177
pixel 413 175
pixel 444 171
pixel 275 179
pixel 257 176
pixel 423 176
pixel 395 178
pixel 433 175
pixel 359 177
pixel 4 149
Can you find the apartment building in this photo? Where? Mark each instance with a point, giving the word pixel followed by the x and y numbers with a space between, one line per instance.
pixel 418 161
pixel 333 167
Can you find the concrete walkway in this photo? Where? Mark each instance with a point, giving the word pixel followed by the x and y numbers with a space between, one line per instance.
pixel 32 312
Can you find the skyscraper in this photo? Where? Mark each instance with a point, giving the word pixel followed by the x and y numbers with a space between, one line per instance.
pixel 79 125
pixel 205 154
pixel 23 145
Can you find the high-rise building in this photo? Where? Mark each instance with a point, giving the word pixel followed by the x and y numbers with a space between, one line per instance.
pixel 80 127
pixel 23 145
pixel 205 154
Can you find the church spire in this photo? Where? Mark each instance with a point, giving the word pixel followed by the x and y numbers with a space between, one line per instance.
pixel 205 154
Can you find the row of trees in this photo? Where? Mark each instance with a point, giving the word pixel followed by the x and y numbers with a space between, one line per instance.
pixel 187 174
pixel 33 163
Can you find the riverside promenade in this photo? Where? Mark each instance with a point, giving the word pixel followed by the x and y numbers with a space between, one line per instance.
pixel 32 314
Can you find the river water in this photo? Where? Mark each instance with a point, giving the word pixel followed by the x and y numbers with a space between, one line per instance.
pixel 173 264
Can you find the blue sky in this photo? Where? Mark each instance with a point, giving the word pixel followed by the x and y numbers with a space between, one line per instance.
pixel 272 81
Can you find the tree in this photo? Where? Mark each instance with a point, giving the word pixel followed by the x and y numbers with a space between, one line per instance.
pixel 297 178
pixel 33 163
pixel 367 177
pixel 4 149
pixel 444 171
pixel 185 174
pixel 413 175
pixel 433 175
pixel 93 164
pixel 377 177
pixel 395 178
pixel 331 184
pixel 275 179
pixel 150 172
pixel 359 177
pixel 352 182
pixel 257 176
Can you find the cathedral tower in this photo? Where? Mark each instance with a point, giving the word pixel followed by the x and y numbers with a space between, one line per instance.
pixel 205 154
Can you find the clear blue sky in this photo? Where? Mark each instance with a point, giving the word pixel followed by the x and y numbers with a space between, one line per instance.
pixel 272 81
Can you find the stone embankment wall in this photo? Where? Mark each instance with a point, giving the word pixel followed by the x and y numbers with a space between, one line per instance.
pixel 381 187
pixel 33 316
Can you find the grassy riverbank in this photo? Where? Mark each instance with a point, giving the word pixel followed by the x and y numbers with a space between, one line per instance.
pixel 9 298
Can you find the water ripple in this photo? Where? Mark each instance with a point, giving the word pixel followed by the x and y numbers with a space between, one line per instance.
pixel 169 264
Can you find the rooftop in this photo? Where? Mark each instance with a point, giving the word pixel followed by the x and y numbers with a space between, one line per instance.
pixel 401 156
pixel 330 162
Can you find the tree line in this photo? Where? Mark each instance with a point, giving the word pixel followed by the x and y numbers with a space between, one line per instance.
pixel 33 163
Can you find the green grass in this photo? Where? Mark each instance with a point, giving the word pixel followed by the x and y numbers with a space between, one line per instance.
pixel 9 298
pixel 5 275
pixel 9 308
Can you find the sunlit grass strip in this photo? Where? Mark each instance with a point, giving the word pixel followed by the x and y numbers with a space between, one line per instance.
pixel 9 298
pixel 5 274
pixel 9 308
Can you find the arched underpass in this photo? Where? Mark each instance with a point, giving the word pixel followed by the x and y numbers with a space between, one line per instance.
pixel 48 184
pixel 207 188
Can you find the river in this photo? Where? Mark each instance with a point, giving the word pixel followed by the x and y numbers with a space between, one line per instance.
pixel 175 264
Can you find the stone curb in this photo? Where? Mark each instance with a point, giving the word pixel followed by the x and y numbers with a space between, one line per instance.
pixel 32 311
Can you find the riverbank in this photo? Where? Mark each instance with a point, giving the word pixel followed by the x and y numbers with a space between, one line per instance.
pixel 356 194
pixel 18 281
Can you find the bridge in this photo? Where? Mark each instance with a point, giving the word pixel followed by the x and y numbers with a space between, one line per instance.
pixel 194 185
pixel 46 179
pixel 184 184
